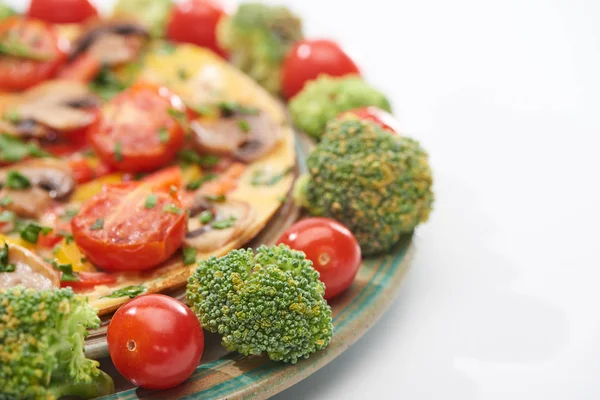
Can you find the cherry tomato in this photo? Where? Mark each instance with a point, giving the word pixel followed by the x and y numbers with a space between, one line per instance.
pixel 88 280
pixel 310 58
pixel 84 68
pixel 85 169
pixel 377 115
pixel 155 341
pixel 195 21
pixel 140 129
pixel 62 11
pixel 36 54
pixel 331 247
pixel 129 227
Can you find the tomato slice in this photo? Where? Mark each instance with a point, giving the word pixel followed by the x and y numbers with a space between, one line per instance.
pixel 84 68
pixel 62 11
pixel 140 129
pixel 129 226
pixel 195 21
pixel 88 280
pixel 34 53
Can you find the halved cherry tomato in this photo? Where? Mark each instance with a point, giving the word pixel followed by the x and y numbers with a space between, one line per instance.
pixel 140 129
pixel 62 11
pixel 84 68
pixel 86 169
pixel 310 58
pixel 35 53
pixel 53 218
pixel 374 114
pixel 49 240
pixel 129 227
pixel 165 178
pixel 331 247
pixel 155 341
pixel 195 21
pixel 87 280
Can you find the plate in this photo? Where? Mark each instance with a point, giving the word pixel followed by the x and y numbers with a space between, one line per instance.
pixel 223 375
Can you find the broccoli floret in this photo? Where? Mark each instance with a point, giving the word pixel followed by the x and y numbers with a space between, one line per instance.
pixel 152 14
pixel 258 36
pixel 376 183
pixel 41 346
pixel 271 302
pixel 327 97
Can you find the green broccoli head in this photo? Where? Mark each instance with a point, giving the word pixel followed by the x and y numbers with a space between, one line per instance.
pixel 258 37
pixel 271 302
pixel 42 346
pixel 376 183
pixel 326 97
pixel 153 14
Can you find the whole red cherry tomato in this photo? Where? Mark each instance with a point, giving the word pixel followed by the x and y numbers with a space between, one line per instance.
pixel 310 58
pixel 62 11
pixel 331 247
pixel 374 114
pixel 155 341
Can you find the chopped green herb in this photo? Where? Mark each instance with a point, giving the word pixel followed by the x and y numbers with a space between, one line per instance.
pixel 204 110
pixel 182 73
pixel 166 48
pixel 282 199
pixel 89 153
pixel 216 198
pixel 128 291
pixel 194 185
pixel 189 255
pixel 224 223
pixel 118 152
pixel 6 201
pixel 55 250
pixel 205 216
pixel 67 235
pixel 173 209
pixel 16 49
pixel 68 275
pixel 261 178
pixel 244 125
pixel 151 200
pixel 4 265
pixel 230 108
pixel 106 84
pixel 83 260
pixel 7 216
pixel 188 156
pixel 163 135
pixel 99 224
pixel 178 115
pixel 13 149
pixel 69 214
pixel 12 116
pixel 31 232
pixel 16 180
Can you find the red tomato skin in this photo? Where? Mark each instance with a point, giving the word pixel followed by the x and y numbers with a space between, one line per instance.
pixel 62 11
pixel 155 341
pixel 331 247
pixel 374 114
pixel 310 58
pixel 195 21
pixel 165 178
pixel 102 134
pixel 20 74
pixel 117 255
pixel 88 280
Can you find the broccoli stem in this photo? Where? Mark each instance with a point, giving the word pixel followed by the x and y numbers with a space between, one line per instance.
pixel 102 385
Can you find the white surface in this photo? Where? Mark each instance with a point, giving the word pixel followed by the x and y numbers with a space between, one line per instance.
pixel 502 299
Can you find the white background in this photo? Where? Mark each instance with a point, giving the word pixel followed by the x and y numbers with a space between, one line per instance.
pixel 503 298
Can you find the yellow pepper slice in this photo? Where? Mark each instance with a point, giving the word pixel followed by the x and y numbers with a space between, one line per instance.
pixel 69 253
pixel 87 190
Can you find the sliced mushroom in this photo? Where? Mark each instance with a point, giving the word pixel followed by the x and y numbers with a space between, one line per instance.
pixel 51 175
pixel 112 43
pixel 58 105
pixel 204 237
pixel 29 203
pixel 245 137
pixel 30 271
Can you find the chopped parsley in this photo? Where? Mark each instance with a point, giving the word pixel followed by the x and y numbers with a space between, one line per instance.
pixel 231 108
pixel 151 200
pixel 173 209
pixel 16 49
pixel 194 185
pixel 166 48
pixel 204 110
pixel 188 156
pixel 178 115
pixel 99 224
pixel 127 291
pixel 16 180
pixel 7 216
pixel 189 255
pixel 6 201
pixel 4 264
pixel 69 214
pixel 163 135
pixel 182 73
pixel 12 116
pixel 68 236
pixel 106 84
pixel 31 232
pixel 216 198
pixel 244 125
pixel 118 152
pixel 13 149
pixel 261 178
pixel 205 216
pixel 224 223
pixel 68 275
